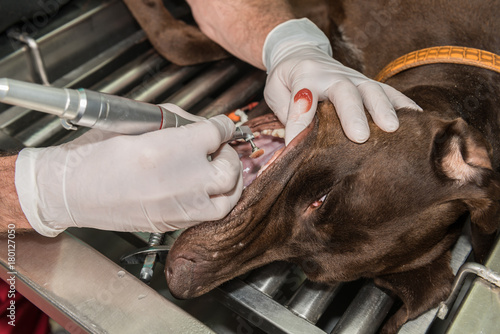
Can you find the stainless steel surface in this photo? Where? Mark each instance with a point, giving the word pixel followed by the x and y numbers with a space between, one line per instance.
pixel 477 269
pixel 236 95
pixel 36 58
pixel 164 81
pixel 262 311
pixel 269 278
pixel 479 312
pixel 311 300
pixel 366 312
pixel 85 292
pixel 206 83
pixel 68 42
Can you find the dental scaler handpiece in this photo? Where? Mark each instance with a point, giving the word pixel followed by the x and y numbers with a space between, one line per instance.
pixel 91 109
pixel 83 107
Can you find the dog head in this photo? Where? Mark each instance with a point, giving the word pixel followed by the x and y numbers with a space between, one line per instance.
pixel 342 210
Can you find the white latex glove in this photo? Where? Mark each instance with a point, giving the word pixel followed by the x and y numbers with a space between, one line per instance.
pixel 154 182
pixel 297 56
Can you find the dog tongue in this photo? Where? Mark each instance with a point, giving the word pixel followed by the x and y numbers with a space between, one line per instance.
pixel 252 166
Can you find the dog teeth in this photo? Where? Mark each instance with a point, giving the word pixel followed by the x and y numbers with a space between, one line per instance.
pixel 280 133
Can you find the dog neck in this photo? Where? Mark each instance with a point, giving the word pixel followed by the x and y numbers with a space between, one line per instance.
pixel 453 91
pixel 441 55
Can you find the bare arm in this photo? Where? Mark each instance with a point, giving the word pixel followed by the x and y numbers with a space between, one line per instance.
pixel 240 26
pixel 11 214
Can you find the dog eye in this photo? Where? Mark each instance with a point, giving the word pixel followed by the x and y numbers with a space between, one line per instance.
pixel 316 204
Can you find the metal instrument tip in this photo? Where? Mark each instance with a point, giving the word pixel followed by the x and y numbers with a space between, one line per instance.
pixel 244 132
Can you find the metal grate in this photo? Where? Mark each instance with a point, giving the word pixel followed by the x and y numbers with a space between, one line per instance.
pixel 97 45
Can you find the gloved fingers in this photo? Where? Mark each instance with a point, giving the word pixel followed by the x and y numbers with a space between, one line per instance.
pixel 349 105
pixel 225 170
pixel 93 136
pixel 225 126
pixel 302 108
pixel 224 203
pixel 278 97
pixel 211 208
pixel 398 99
pixel 208 135
pixel 379 106
pixel 181 112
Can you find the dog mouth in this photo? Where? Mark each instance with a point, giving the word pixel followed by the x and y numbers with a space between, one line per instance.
pixel 210 253
pixel 269 136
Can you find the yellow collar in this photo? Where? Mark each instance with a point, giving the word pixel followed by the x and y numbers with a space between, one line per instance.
pixel 441 54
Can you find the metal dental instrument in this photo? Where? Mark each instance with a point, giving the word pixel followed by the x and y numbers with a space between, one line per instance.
pixel 83 107
pixel 244 132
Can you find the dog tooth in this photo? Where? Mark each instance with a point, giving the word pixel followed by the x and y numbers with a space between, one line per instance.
pixel 280 133
pixel 256 134
pixel 266 132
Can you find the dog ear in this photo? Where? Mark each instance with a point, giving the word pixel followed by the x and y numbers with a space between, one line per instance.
pixel 462 156
pixel 419 289
pixel 175 40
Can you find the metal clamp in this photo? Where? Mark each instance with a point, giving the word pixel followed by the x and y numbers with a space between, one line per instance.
pixel 467 268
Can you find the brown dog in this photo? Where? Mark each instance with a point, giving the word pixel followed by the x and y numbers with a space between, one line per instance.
pixel 389 209
pixel 177 41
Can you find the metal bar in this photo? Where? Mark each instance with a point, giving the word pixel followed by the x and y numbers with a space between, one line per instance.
pixel 36 58
pixel 468 268
pixel 41 131
pixel 9 144
pixel 165 80
pixel 132 73
pixel 262 311
pixel 311 300
pixel 479 311
pixel 206 83
pixel 85 292
pixel 269 278
pixel 366 312
pixel 69 45
pixel 238 94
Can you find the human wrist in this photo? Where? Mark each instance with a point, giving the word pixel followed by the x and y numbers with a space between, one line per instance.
pixel 40 191
pixel 10 209
pixel 291 35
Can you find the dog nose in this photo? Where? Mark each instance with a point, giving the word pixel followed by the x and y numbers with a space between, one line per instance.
pixel 180 276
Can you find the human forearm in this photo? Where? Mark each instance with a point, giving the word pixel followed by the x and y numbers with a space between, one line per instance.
pixel 10 209
pixel 240 26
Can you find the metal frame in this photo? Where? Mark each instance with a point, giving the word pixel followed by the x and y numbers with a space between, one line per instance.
pixel 87 293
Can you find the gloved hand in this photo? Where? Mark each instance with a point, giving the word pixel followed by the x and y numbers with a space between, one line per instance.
pixel 154 182
pixel 297 56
